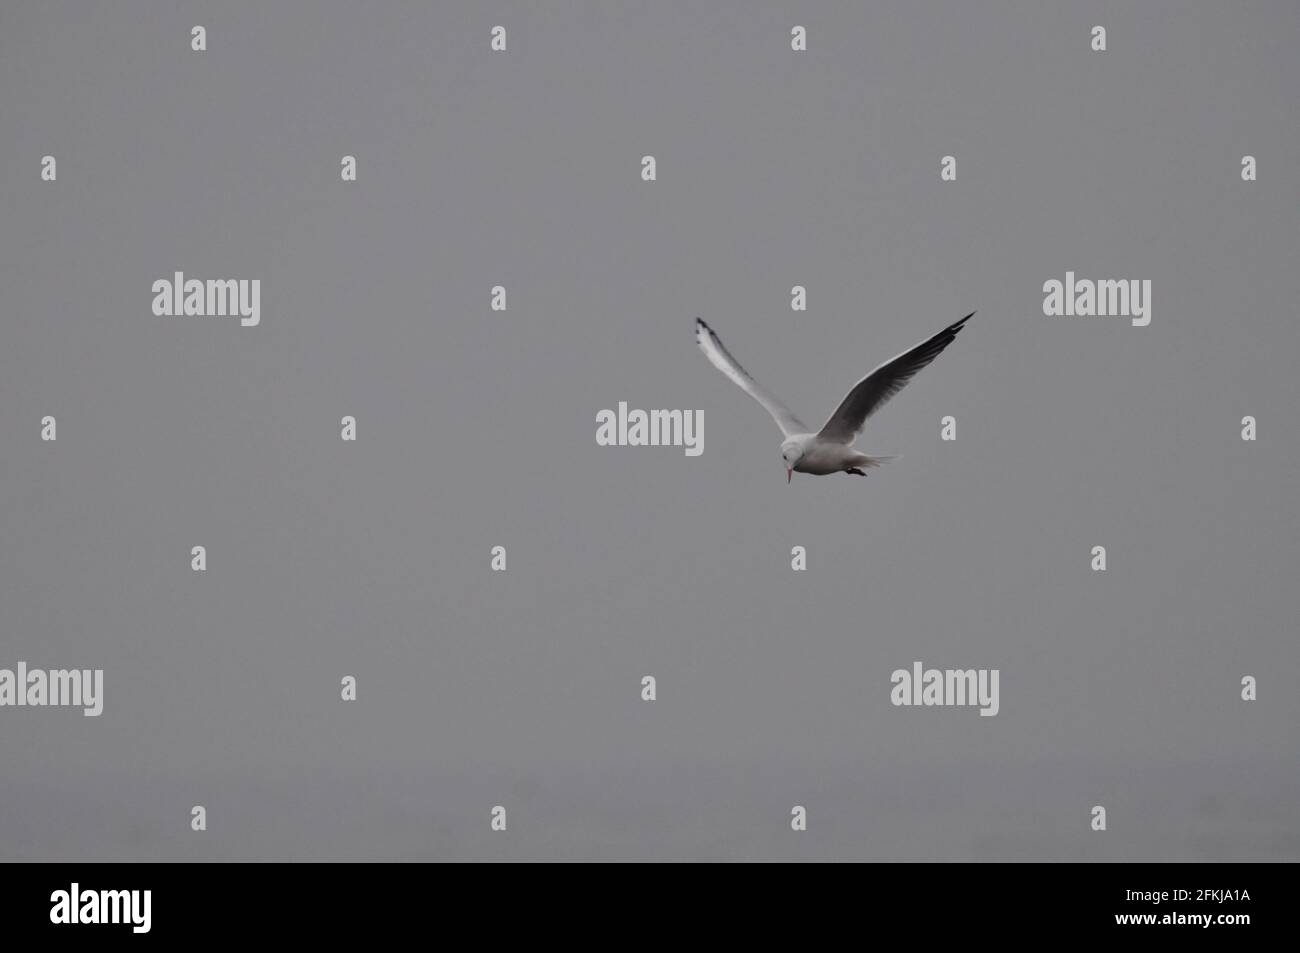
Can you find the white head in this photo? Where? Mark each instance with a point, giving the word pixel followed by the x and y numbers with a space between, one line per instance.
pixel 791 452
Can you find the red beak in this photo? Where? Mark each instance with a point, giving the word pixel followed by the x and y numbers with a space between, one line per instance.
pixel 789 474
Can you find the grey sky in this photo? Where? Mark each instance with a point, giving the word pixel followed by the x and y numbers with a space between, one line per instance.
pixel 476 428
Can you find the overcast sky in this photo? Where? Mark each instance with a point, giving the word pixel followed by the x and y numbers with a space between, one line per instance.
pixel 477 428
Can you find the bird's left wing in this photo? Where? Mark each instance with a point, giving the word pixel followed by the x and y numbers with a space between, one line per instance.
pixel 870 393
pixel 723 361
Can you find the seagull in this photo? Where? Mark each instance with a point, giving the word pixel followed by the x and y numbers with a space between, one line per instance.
pixel 830 450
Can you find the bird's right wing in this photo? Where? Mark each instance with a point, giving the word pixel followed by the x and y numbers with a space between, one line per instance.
pixel 723 361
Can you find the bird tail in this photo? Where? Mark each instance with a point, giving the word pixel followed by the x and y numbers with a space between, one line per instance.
pixel 867 461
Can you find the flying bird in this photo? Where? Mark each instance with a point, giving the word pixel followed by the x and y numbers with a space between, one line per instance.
pixel 830 450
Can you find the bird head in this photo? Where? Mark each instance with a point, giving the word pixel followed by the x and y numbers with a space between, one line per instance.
pixel 791 452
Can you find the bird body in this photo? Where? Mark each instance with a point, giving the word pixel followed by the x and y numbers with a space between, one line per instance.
pixel 822 457
pixel 830 450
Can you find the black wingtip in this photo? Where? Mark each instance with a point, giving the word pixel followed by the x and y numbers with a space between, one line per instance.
pixel 957 326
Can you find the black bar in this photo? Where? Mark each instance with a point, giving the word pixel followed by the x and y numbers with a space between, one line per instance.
pixel 926 901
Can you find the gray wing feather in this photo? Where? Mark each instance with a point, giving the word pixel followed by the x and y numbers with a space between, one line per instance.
pixel 721 358
pixel 871 393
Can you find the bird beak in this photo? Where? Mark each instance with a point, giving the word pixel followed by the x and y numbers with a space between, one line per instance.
pixel 789 474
